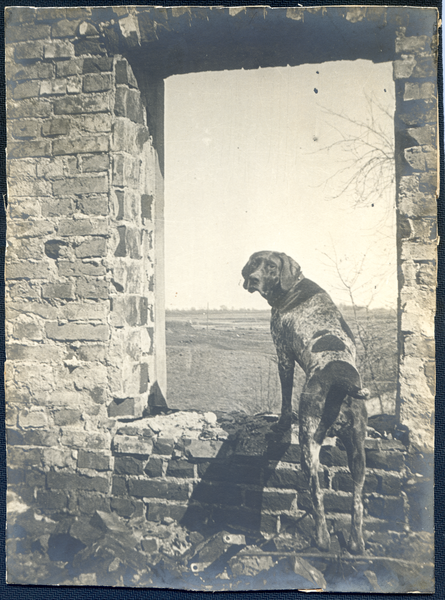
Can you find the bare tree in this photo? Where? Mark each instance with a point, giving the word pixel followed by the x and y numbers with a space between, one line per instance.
pixel 369 172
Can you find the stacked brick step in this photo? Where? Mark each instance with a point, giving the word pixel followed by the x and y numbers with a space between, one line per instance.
pixel 207 474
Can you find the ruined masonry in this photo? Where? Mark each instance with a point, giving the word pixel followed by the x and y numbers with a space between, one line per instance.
pixel 85 323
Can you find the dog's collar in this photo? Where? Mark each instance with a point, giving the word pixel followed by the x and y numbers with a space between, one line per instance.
pixel 302 290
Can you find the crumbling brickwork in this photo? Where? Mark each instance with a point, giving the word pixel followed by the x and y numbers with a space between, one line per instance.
pixel 84 258
pixel 417 183
pixel 80 256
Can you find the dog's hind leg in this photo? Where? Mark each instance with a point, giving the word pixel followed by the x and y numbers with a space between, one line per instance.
pixel 353 438
pixel 311 410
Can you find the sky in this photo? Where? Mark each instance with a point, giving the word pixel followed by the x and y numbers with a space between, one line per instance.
pixel 253 162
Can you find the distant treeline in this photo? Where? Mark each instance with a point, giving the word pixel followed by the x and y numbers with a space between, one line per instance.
pixel 344 308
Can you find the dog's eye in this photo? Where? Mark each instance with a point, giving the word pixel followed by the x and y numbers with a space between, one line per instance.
pixel 272 266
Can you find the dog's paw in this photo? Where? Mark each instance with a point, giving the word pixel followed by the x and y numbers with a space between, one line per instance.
pixel 356 547
pixel 323 540
pixel 281 427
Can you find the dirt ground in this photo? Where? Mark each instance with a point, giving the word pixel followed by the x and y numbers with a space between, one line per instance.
pixel 226 360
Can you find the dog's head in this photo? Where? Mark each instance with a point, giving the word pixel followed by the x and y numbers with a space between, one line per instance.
pixel 271 274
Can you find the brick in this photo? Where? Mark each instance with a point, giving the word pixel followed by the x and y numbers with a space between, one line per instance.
pixel 27 33
pixel 331 456
pixel 28 331
pixel 67 68
pixel 129 242
pixel 391 485
pixel 83 145
pixel 419 91
pixel 56 127
pixel 285 478
pixel 143 378
pixel 122 407
pixel 93 460
pixel 28 89
pixel 164 446
pixel 129 465
pixel 119 486
pixel 33 418
pixel 134 107
pixel 98 123
pixel 28 270
pixel 64 28
pixel 80 185
pixel 49 14
pixel 32 107
pixel 217 494
pixel 29 51
pixel 411 43
pixel 388 461
pixel 29 149
pixel 124 444
pixel 24 457
pixel 232 472
pixel 203 448
pixel 88 46
pixel 157 489
pixel 96 82
pixel 146 206
pixel 15 476
pixel 35 479
pixel 73 481
pixel 40 353
pixel 55 248
pixel 92 248
pixel 97 64
pixel 72 105
pixel 93 204
pixel 29 189
pixel 344 483
pixel 154 467
pixel 75 269
pixel 25 129
pixel 180 468
pixel 58 49
pixel 99 162
pixel 83 531
pixel 284 452
pixel 37 70
pixel 127 508
pixel 124 74
pixel 20 14
pixel 53 87
pixel 67 416
pixel 158 512
pixel 58 290
pixel 74 332
pixel 94 289
pixel 385 507
pixel 81 227
pixel 51 500
pixel 337 503
pixel 273 501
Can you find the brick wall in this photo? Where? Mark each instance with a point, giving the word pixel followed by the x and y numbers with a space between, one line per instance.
pixel 417 187
pixel 80 234
pixel 210 475
pixel 84 185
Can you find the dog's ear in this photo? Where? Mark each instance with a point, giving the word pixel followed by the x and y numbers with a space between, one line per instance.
pixel 290 272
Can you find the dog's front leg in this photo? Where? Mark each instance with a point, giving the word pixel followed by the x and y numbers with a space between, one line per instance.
pixel 286 372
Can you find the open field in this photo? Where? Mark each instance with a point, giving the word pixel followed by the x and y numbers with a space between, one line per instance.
pixel 226 360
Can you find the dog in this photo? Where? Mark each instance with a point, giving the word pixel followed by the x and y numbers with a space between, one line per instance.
pixel 308 329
